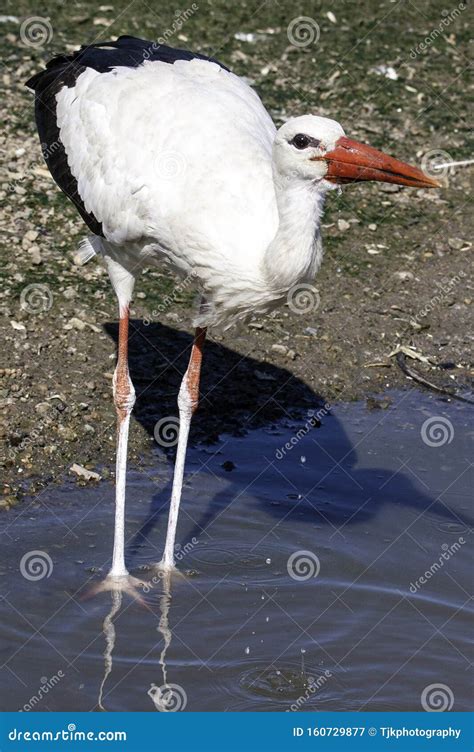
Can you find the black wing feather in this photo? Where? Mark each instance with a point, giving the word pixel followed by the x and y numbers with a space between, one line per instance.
pixel 127 51
pixel 64 70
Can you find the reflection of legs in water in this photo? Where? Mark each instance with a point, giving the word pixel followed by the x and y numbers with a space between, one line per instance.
pixel 109 634
pixel 160 695
pixel 167 697
pixel 163 626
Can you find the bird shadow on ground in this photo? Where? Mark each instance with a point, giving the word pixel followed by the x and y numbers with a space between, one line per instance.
pixel 237 392
pixel 240 393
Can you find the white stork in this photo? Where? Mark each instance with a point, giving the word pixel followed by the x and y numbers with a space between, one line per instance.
pixel 171 159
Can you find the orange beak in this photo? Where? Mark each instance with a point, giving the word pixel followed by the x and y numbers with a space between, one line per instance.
pixel 352 161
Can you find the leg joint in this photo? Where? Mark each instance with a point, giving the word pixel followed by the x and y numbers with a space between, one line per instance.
pixel 188 398
pixel 124 393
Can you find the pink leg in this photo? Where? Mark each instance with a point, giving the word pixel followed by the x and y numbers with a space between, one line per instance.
pixel 188 401
pixel 124 398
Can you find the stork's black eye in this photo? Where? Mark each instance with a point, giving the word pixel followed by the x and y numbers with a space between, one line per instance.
pixel 302 141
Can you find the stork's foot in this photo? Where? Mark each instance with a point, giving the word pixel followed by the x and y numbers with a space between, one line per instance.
pixel 165 574
pixel 133 586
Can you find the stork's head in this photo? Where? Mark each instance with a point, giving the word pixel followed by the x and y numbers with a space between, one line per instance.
pixel 317 149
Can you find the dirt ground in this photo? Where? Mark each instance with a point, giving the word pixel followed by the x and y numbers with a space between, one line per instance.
pixel 397 261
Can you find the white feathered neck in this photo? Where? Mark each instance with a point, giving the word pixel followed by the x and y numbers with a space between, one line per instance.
pixel 295 253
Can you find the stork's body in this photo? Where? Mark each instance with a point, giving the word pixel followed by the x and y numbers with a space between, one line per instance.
pixel 173 160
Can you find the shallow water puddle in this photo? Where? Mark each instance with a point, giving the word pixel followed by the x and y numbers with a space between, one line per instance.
pixel 324 568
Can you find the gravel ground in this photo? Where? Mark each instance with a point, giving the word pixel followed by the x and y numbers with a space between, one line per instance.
pixel 396 269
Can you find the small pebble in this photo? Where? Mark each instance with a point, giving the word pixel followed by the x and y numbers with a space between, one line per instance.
pixel 82 472
pixel 228 465
pixel 42 408
pixel 76 323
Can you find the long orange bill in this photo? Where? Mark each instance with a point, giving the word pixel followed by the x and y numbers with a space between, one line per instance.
pixel 352 161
